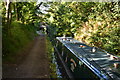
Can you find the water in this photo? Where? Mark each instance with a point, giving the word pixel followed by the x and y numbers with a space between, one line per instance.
pixel 59 74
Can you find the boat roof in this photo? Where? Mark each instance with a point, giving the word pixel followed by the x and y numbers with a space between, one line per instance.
pixel 100 62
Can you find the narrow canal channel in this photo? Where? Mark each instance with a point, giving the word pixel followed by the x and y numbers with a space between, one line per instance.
pixel 56 62
pixel 58 67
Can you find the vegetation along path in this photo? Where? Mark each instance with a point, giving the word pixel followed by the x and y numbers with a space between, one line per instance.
pixel 34 65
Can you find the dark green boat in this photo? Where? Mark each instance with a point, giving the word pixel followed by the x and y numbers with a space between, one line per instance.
pixel 86 63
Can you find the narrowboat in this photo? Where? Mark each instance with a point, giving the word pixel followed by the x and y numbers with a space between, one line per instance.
pixel 84 62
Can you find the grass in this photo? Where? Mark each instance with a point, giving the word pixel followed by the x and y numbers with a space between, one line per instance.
pixel 19 36
pixel 50 50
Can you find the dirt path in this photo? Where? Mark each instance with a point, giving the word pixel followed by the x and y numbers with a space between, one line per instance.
pixel 34 65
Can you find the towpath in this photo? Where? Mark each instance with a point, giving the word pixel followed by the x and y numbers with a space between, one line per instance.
pixel 34 65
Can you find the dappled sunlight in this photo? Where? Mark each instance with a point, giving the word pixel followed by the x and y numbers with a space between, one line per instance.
pixel 83 38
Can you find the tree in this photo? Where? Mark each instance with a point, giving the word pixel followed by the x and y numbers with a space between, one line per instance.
pixel 8 14
pixel 96 24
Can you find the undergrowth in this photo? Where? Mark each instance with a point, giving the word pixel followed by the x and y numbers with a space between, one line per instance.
pixel 50 51
pixel 19 36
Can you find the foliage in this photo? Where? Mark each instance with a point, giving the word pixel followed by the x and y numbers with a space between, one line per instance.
pixel 19 22
pixel 25 12
pixel 94 23
pixel 20 36
pixel 67 17
pixel 50 51
pixel 102 28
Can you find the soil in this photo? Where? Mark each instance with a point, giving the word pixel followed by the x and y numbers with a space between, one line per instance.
pixel 30 63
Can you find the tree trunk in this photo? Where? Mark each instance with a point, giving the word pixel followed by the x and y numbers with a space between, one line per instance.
pixel 8 14
pixel 16 11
